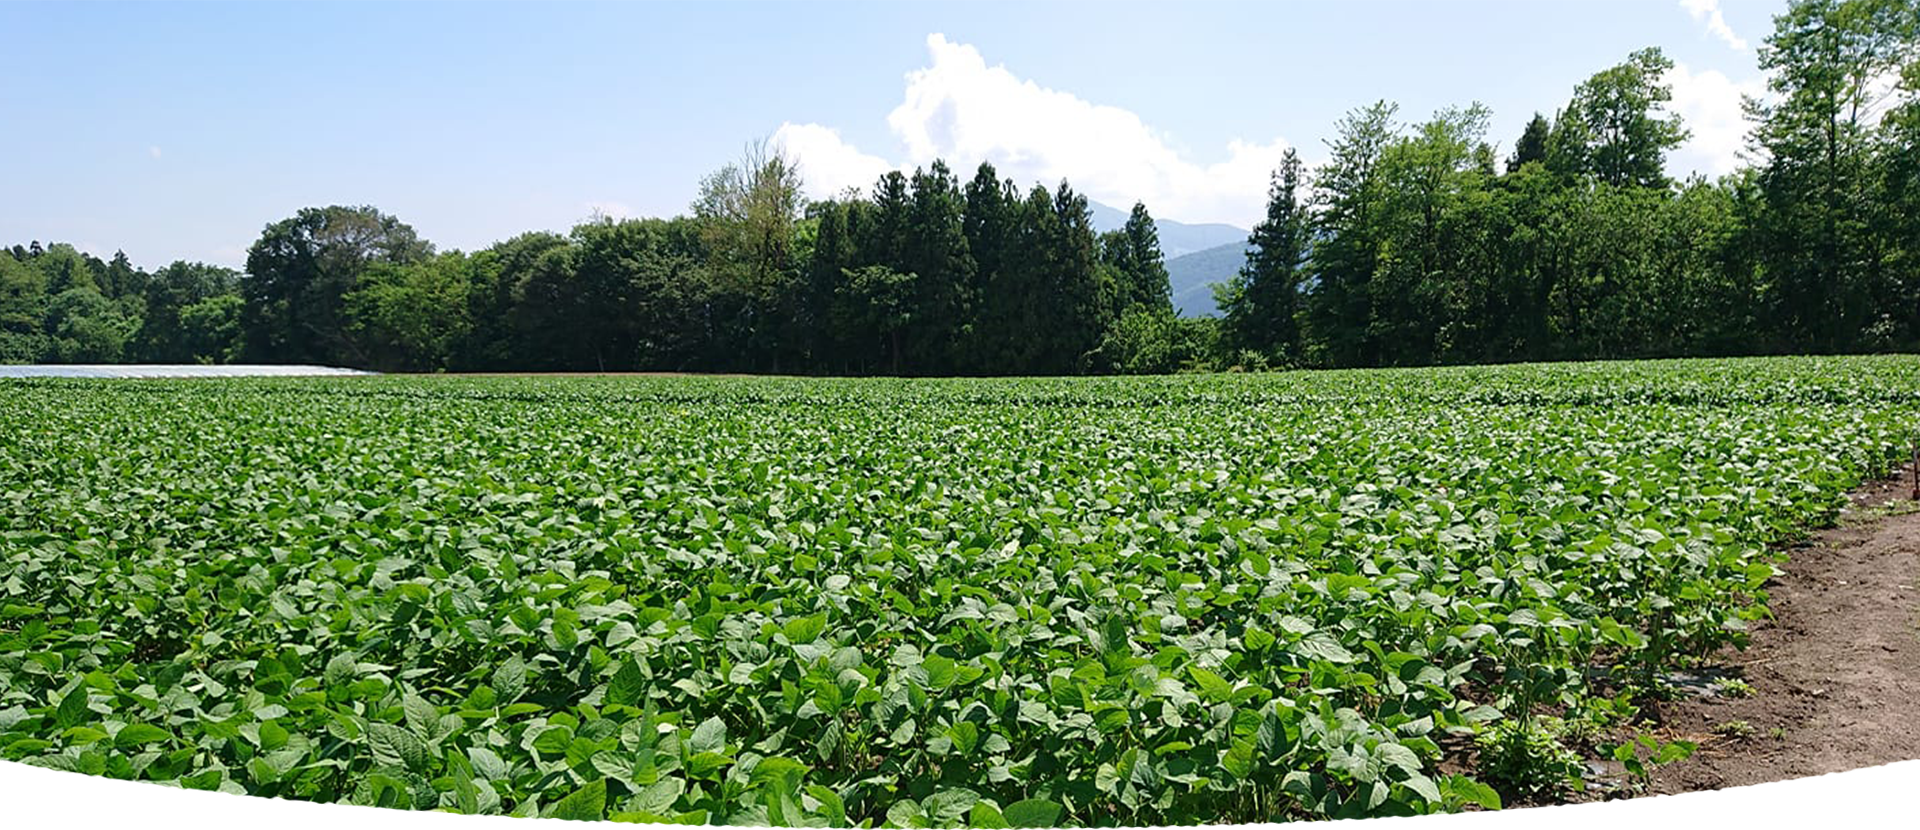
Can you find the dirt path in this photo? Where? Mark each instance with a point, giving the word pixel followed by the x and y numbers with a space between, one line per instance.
pixel 1835 675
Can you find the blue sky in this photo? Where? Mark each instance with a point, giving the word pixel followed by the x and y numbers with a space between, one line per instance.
pixel 178 131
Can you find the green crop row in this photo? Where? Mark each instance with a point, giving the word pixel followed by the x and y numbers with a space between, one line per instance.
pixel 890 602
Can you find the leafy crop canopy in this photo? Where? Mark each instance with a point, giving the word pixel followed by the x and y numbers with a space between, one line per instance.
pixel 1011 603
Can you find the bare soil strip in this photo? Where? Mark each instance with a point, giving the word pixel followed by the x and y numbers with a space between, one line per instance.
pixel 1835 674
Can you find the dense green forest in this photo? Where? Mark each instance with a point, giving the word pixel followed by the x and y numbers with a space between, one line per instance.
pixel 1415 243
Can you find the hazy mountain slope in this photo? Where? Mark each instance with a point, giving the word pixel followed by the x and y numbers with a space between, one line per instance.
pixel 1192 276
pixel 1176 238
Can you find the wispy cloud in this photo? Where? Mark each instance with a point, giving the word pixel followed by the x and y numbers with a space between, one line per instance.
pixel 963 110
pixel 1708 12
pixel 611 210
pixel 154 151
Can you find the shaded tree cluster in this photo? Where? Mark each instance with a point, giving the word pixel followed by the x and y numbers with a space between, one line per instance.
pixel 923 276
pixel 1409 247
pixel 59 305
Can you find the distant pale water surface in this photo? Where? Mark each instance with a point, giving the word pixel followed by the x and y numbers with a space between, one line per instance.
pixel 169 371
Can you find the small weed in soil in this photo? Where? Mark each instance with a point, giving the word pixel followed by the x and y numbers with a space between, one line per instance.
pixel 1734 687
pixel 1884 510
pixel 1736 729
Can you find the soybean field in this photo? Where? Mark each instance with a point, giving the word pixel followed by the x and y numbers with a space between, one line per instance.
pixel 901 602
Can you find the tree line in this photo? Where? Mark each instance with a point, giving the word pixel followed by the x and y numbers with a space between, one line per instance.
pixel 927 275
pixel 1412 244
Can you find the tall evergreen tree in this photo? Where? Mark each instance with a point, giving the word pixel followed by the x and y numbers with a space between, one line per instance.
pixel 1029 282
pixel 1532 145
pixel 990 223
pixel 1142 264
pixel 885 239
pixel 1261 304
pixel 937 253
pixel 1074 313
pixel 833 254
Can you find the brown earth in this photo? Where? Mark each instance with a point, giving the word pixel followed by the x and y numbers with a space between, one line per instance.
pixel 1835 674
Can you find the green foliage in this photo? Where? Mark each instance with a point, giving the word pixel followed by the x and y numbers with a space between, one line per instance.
pixel 1644 753
pixel 1532 146
pixel 1020 602
pixel 1134 253
pixel 1827 226
pixel 1147 341
pixel 300 272
pixel 880 301
pixel 944 288
pixel 1614 129
pixel 191 315
pixel 86 327
pixel 1262 304
pixel 1348 190
pixel 413 316
pixel 1525 761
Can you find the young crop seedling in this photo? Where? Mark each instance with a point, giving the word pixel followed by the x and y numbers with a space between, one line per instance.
pixel 1645 753
pixel 1737 729
pixel 1733 687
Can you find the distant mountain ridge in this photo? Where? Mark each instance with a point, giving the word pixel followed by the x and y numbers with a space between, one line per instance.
pixel 1197 256
pixel 1192 277
pixel 1176 238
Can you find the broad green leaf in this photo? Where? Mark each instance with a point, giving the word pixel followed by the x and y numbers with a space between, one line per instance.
pixel 629 685
pixel 510 679
pixel 1322 645
pixel 139 734
pixel 802 630
pixel 395 746
pixel 589 803
pixel 73 709
pixel 709 736
pixel 985 815
pixel 1032 812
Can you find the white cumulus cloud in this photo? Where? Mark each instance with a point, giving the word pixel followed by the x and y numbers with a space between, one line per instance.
pixel 963 110
pixel 1710 104
pixel 1708 12
pixel 828 164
